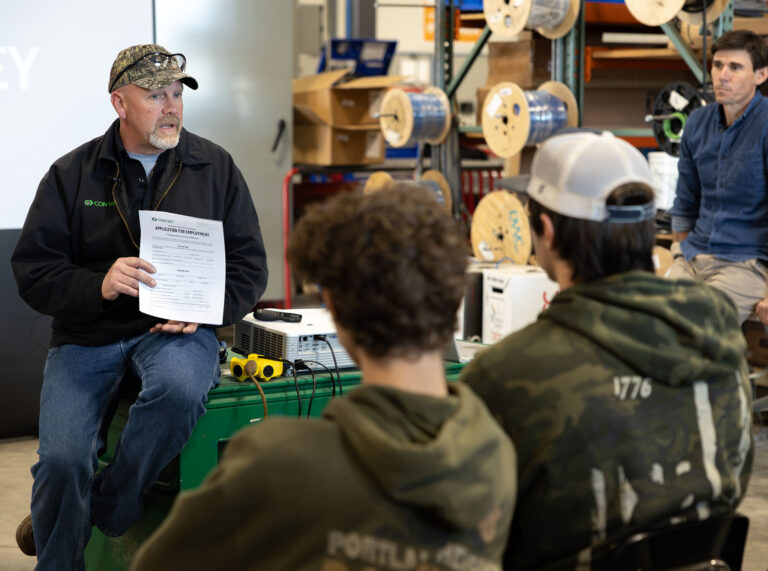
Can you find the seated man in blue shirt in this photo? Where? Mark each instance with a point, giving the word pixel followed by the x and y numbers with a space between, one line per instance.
pixel 720 212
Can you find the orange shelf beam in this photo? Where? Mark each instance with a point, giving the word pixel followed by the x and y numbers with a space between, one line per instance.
pixel 642 142
pixel 598 57
pixel 608 13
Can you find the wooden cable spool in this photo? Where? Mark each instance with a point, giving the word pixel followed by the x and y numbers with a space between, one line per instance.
pixel 691 35
pixel 551 18
pixel 507 117
pixel 500 229
pixel 654 12
pixel 409 116
pixel 379 180
pixel 432 179
pixel 691 12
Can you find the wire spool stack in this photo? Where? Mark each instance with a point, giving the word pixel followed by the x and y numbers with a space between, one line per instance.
pixel 551 18
pixel 671 109
pixel 691 35
pixel 500 229
pixel 432 179
pixel 692 11
pixel 513 118
pixel 412 116
pixel 654 13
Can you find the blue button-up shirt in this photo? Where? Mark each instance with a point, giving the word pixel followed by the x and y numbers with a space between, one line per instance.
pixel 722 189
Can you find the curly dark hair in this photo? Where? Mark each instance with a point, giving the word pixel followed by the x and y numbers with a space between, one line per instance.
pixel 393 263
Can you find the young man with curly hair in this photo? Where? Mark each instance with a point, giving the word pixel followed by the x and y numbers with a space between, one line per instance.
pixel 404 472
pixel 628 399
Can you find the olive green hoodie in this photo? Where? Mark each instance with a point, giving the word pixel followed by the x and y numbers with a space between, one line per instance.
pixel 628 403
pixel 386 480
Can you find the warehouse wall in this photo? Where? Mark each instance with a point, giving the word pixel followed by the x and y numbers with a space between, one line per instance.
pixel 54 67
pixel 241 53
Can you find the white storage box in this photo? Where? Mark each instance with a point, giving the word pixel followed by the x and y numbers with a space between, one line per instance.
pixel 513 297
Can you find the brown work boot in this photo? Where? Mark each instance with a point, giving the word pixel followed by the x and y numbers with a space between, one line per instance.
pixel 25 537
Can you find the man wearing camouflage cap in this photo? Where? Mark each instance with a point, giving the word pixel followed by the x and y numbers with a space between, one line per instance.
pixel 628 400
pixel 77 260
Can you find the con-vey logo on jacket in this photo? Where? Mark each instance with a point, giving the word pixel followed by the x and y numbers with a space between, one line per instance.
pixel 99 203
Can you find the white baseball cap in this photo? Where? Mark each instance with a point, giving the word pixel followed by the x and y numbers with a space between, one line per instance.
pixel 574 173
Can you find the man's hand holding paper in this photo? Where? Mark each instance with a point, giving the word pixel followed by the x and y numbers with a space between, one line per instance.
pixel 188 257
pixel 124 277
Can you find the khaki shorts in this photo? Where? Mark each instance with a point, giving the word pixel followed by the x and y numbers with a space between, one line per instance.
pixel 744 282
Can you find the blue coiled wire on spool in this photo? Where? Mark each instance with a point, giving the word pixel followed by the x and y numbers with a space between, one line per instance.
pixel 412 116
pixel 548 115
pixel 513 118
pixel 547 13
pixel 551 18
pixel 429 116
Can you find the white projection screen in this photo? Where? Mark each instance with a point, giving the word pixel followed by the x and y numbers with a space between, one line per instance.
pixel 54 66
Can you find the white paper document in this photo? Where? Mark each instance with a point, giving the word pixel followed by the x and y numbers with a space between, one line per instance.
pixel 188 254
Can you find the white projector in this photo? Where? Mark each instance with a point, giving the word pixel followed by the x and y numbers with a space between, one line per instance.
pixel 292 341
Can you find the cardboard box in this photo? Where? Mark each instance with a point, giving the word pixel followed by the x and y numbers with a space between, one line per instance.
pixel 621 98
pixel 526 62
pixel 617 108
pixel 757 25
pixel 325 145
pixel 513 297
pixel 328 99
pixel 334 120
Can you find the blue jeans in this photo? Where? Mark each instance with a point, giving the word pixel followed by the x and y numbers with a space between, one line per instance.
pixel 80 387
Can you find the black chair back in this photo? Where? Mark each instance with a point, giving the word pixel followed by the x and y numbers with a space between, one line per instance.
pixel 714 543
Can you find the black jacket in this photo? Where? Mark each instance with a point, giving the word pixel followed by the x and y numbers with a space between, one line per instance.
pixel 81 221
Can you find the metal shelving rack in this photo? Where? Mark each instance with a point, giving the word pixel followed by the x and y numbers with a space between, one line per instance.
pixel 568 59
pixel 567 67
pixel 446 157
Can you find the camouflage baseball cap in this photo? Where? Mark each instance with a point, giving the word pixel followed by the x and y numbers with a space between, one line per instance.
pixel 149 66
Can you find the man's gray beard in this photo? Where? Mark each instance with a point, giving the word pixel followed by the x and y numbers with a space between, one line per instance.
pixel 164 143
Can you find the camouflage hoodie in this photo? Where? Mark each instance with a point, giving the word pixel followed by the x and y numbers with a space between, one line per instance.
pixel 628 403
pixel 387 480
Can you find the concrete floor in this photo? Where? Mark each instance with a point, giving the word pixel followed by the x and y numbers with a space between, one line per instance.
pixel 17 455
pixel 755 507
